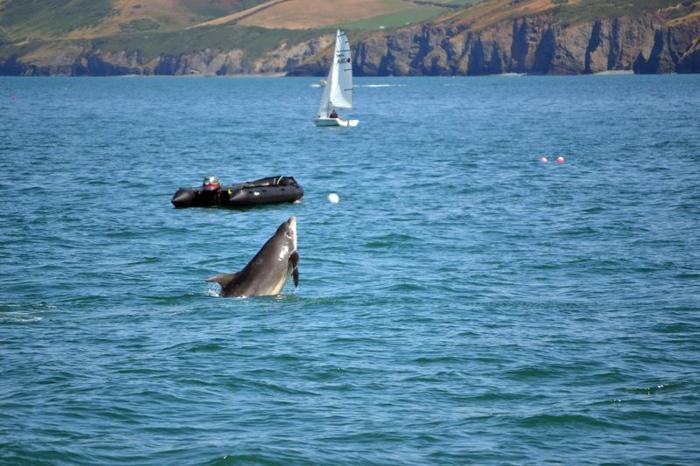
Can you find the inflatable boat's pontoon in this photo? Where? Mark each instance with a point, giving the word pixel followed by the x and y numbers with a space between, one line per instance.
pixel 271 190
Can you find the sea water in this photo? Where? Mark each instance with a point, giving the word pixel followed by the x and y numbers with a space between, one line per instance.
pixel 462 303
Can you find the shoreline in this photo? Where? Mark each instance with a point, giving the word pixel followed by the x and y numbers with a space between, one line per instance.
pixel 612 73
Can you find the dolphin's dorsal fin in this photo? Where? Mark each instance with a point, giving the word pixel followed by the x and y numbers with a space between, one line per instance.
pixel 294 261
pixel 223 279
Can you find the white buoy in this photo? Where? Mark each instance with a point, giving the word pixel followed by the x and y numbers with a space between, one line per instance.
pixel 334 198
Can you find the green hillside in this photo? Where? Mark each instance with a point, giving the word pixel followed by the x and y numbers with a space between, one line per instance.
pixel 33 19
pixel 256 41
pixel 26 25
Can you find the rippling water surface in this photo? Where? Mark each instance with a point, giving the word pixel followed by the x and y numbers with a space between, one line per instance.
pixel 462 304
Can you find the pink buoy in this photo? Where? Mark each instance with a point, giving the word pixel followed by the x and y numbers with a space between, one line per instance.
pixel 560 159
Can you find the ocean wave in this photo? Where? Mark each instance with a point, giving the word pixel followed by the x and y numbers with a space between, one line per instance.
pixel 380 85
pixel 14 313
pixel 552 421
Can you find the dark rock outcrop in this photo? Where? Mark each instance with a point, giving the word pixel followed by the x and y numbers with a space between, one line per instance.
pixel 12 67
pixel 690 61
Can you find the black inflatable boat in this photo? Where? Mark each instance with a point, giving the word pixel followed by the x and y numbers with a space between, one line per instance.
pixel 270 190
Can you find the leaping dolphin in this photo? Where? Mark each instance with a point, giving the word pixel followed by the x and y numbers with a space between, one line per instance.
pixel 267 273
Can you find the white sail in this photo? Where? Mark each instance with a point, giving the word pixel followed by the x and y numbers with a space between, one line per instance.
pixel 340 76
pixel 324 109
pixel 338 90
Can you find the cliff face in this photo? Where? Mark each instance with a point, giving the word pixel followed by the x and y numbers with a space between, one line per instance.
pixel 690 61
pixel 535 45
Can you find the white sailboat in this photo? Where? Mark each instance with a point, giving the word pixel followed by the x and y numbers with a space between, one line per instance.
pixel 338 91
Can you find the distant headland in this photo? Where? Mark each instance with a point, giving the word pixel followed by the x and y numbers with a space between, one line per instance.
pixel 390 38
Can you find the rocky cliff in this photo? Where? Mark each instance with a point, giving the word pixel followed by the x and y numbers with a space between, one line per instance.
pixel 533 45
pixel 536 44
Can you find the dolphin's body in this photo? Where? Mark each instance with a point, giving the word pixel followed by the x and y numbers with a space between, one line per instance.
pixel 266 274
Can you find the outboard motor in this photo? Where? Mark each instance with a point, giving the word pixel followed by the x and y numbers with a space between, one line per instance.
pixel 211 183
pixel 210 191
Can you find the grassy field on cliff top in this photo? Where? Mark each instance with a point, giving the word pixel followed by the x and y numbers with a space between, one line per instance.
pixel 255 41
pixel 35 19
pixel 177 26
pixel 257 26
pixel 87 19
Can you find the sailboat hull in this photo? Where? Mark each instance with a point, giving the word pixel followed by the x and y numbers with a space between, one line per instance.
pixel 335 122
